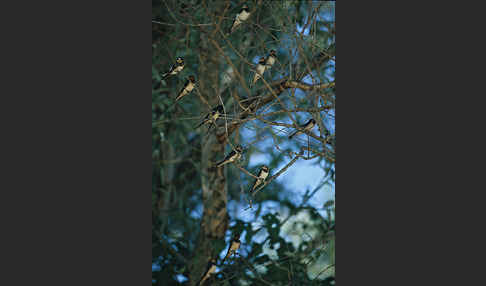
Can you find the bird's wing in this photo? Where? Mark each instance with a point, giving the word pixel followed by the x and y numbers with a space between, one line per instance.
pixel 227 158
pixel 228 253
pixel 236 23
pixel 293 134
pixel 210 269
pixel 256 77
pixel 182 93
pixel 169 72
pixel 256 184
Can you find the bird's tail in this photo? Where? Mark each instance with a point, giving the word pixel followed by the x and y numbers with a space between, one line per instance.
pixel 224 259
pixel 221 163
pixel 233 27
pixel 255 185
pixel 203 279
pixel 293 134
pixel 255 79
pixel 180 95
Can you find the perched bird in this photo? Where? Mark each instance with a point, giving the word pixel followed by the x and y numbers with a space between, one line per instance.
pixel 260 69
pixel 188 87
pixel 212 116
pixel 234 245
pixel 240 18
pixel 210 269
pixel 262 175
pixel 272 57
pixel 175 69
pixel 232 156
pixel 304 128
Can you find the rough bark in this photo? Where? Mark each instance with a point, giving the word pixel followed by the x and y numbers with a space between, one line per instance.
pixel 215 218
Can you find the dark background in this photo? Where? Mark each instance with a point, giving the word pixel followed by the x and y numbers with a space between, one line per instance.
pixel 74 119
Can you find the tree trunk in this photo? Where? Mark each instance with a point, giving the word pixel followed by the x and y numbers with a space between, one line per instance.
pixel 215 218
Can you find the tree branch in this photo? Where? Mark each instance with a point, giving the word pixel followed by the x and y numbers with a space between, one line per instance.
pixel 255 104
pixel 277 174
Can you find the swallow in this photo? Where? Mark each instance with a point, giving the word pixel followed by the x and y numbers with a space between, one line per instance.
pixel 188 87
pixel 304 128
pixel 260 69
pixel 175 69
pixel 212 116
pixel 262 175
pixel 240 18
pixel 272 57
pixel 232 156
pixel 234 245
pixel 210 269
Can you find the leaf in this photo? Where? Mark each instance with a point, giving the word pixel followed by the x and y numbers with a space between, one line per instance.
pixel 329 204
pixel 262 259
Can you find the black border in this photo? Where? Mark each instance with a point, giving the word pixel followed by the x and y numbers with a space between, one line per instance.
pixel 76 205
pixel 407 203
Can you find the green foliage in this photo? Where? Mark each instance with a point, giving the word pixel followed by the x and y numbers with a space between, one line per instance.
pixel 283 239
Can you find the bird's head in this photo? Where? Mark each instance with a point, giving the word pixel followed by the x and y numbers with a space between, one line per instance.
pixel 179 60
pixel 238 148
pixel 244 7
pixel 219 109
pixel 192 78
pixel 273 52
pixel 312 121
pixel 236 236
pixel 262 60
pixel 265 168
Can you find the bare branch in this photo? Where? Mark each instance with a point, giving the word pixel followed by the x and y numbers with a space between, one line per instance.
pixel 277 87
pixel 277 174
